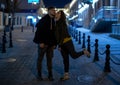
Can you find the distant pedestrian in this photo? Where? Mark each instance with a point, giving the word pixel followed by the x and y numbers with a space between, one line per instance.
pixel 22 29
pixel 65 44
pixel 45 38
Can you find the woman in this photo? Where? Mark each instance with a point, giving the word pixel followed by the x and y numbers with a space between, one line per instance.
pixel 65 44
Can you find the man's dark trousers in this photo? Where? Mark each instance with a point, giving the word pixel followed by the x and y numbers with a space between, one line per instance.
pixel 49 55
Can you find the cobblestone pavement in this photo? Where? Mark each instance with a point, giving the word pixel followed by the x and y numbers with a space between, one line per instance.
pixel 18 64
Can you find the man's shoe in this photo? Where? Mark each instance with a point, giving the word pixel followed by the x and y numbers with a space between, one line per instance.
pixel 65 77
pixel 39 78
pixel 50 78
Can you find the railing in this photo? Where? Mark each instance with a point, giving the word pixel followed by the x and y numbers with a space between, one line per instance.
pixel 116 29
pixel 107 13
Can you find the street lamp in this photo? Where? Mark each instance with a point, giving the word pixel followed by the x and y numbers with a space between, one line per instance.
pixel 103 3
pixel 4 35
pixel 33 24
pixel 11 25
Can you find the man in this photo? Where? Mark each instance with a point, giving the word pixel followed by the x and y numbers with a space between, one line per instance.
pixel 45 38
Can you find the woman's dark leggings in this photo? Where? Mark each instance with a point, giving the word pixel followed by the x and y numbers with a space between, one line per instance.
pixel 66 50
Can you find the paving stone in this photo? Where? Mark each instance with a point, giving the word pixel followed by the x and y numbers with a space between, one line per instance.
pixel 18 64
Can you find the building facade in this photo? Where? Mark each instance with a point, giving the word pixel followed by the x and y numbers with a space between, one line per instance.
pixel 22 12
pixel 86 12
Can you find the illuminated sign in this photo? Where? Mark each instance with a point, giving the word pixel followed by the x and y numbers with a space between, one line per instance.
pixel 33 1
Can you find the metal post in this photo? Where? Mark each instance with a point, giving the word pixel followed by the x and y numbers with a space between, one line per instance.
pixel 103 3
pixel 88 47
pixel 3 45
pixel 4 31
pixel 96 58
pixel 107 63
pixel 79 42
pixel 76 37
pixel 83 45
pixel 22 29
pixel 10 35
pixel 4 26
pixel 74 33
pixel 11 27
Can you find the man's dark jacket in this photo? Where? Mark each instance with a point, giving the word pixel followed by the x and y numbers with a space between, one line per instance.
pixel 44 33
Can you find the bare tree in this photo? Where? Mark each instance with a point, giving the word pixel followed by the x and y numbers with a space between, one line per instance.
pixel 12 5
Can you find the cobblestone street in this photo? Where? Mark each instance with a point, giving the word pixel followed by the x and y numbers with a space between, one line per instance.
pixel 18 64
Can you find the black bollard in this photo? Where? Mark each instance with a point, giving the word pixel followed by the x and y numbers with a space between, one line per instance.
pixel 71 31
pixel 22 29
pixel 88 47
pixel 76 37
pixel 10 36
pixel 96 58
pixel 79 38
pixel 83 45
pixel 3 44
pixel 74 33
pixel 5 35
pixel 107 63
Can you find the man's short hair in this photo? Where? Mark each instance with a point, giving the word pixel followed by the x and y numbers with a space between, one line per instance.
pixel 51 7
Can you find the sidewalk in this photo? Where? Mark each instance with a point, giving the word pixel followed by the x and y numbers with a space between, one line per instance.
pixel 18 64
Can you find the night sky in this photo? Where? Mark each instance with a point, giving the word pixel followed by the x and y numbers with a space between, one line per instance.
pixel 56 3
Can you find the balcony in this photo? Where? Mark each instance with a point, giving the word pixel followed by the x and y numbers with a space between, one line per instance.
pixel 103 20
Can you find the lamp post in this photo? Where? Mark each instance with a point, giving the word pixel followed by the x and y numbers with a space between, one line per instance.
pixel 119 11
pixel 33 24
pixel 11 25
pixel 103 3
pixel 4 31
pixel 3 7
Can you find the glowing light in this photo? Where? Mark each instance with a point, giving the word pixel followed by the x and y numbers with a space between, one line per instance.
pixel 80 19
pixel 94 1
pixel 34 3
pixel 31 1
pixel 34 20
pixel 39 17
pixel 72 3
pixel 66 11
pixel 83 8
pixel 29 17
pixel 79 6
pixel 95 20
pixel 75 16
pixel 44 10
